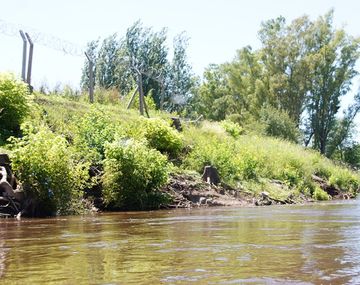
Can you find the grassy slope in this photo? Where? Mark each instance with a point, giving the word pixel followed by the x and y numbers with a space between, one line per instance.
pixel 247 162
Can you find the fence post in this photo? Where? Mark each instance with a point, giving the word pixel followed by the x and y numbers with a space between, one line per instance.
pixel 31 50
pixel 23 68
pixel 141 94
pixel 91 79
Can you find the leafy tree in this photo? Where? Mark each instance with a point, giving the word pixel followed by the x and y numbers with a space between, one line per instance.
pixel 351 155
pixel 180 77
pixel 284 57
pixel 107 61
pixel 302 69
pixel 144 53
pixel 243 75
pixel 214 99
pixel 332 60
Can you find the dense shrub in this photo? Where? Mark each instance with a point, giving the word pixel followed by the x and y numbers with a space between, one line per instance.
pixel 13 104
pixel 233 129
pixel 43 163
pixel 320 194
pixel 158 134
pixel 279 124
pixel 248 166
pixel 345 180
pixel 210 150
pixel 93 131
pixel 132 174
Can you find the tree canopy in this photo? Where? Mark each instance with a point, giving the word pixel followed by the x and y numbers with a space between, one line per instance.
pixel 119 61
pixel 303 69
pixel 291 87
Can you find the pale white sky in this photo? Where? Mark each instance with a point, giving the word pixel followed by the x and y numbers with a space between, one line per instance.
pixel 217 28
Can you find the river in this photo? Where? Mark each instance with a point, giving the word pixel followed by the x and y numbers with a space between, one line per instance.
pixel 308 244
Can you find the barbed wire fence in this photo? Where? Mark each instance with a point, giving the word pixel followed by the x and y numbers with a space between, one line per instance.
pixel 47 40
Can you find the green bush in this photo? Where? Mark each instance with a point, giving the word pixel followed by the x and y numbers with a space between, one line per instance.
pixel 345 180
pixel 279 124
pixel 320 194
pixel 233 129
pixel 13 104
pixel 93 131
pixel 158 134
pixel 132 174
pixel 43 162
pixel 248 166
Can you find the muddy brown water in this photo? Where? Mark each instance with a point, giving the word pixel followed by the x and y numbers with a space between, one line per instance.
pixel 309 244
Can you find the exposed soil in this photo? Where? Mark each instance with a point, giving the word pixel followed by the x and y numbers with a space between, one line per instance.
pixel 189 191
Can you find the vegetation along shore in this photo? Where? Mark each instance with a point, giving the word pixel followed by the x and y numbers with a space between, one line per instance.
pixel 263 129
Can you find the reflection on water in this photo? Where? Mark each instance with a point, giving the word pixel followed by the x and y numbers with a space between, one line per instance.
pixel 312 244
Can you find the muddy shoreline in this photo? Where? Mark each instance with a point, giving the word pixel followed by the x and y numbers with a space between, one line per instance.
pixel 189 191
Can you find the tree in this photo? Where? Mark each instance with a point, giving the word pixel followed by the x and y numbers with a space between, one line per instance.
pixel 142 56
pixel 213 98
pixel 180 77
pixel 341 136
pixel 107 61
pixel 144 53
pixel 284 56
pixel 332 59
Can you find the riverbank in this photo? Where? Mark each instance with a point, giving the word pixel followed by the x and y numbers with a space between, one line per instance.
pixel 190 191
pixel 70 154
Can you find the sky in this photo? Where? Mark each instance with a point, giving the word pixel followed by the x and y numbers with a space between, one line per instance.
pixel 216 28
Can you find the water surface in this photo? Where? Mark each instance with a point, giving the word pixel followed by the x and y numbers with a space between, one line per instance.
pixel 311 244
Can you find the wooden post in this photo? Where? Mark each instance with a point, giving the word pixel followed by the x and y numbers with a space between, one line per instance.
pixel 23 68
pixel 132 97
pixel 141 94
pixel 162 96
pixel 91 79
pixel 31 50
pixel 146 108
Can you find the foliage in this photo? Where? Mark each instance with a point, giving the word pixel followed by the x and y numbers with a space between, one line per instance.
pixel 106 96
pixel 320 194
pixel 44 164
pixel 213 99
pixel 142 56
pixel 210 149
pixel 345 180
pixel 351 155
pixel 14 105
pixel 180 79
pixel 301 71
pixel 158 134
pixel 107 61
pixel 132 173
pixel 94 130
pixel 279 124
pixel 333 57
pixel 254 158
pixel 246 161
pixel 233 129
